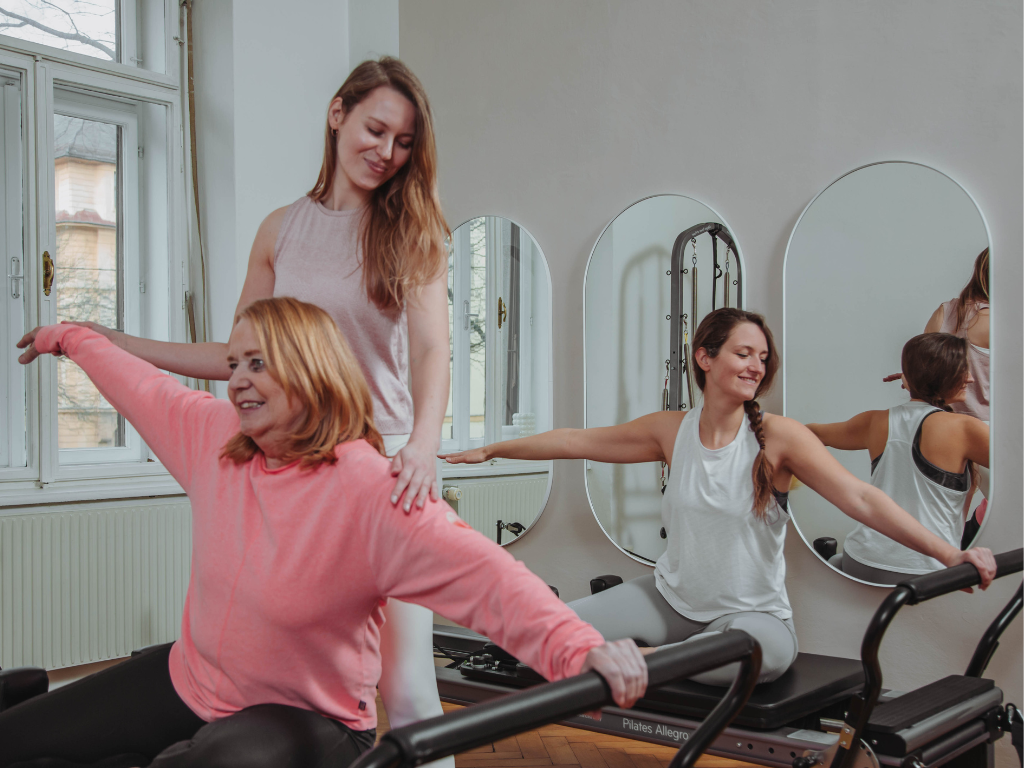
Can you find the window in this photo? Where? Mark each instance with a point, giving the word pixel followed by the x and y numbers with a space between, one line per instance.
pixel 500 325
pixel 93 200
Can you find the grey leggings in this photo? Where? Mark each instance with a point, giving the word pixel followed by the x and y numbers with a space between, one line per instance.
pixel 637 610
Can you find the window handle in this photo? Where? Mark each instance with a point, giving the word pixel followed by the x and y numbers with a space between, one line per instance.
pixel 466 314
pixel 48 272
pixel 16 276
pixel 502 312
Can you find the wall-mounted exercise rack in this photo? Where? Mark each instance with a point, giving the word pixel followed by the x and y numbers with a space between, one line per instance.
pixel 685 314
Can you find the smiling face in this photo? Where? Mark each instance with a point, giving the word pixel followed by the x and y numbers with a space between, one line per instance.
pixel 374 140
pixel 738 368
pixel 265 413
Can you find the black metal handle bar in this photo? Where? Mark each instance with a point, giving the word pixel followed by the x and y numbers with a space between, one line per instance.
pixel 910 592
pixel 522 711
pixel 990 640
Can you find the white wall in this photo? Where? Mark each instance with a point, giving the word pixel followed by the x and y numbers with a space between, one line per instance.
pixel 578 109
pixel 264 78
pixel 372 30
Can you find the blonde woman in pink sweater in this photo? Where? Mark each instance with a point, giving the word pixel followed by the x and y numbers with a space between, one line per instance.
pixel 296 549
pixel 366 244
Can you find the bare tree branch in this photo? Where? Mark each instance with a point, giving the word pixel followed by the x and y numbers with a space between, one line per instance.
pixel 73 36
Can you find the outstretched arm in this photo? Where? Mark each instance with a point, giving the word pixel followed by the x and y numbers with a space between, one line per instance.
pixel 175 421
pixel 649 438
pixel 813 465
pixel 849 435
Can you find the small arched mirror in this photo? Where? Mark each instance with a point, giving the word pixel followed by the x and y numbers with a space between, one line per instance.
pixel 876 259
pixel 657 269
pixel 499 310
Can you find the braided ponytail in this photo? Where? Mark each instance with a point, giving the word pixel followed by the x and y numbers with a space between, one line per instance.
pixel 711 335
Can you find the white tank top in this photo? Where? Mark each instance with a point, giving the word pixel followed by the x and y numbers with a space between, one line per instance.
pixel 931 495
pixel 720 558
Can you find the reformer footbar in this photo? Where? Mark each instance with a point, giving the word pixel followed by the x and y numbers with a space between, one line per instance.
pixel 549 702
pixel 820 704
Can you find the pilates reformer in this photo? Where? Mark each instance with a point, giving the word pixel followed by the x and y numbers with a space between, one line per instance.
pixel 551 702
pixel 823 711
pixel 473 727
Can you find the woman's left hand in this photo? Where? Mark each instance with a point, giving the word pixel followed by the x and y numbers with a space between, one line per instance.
pixel 416 470
pixel 622 666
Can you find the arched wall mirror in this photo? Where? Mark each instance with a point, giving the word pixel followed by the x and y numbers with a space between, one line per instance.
pixel 868 265
pixel 499 310
pixel 657 269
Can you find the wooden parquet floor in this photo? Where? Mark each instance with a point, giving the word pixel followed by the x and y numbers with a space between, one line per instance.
pixel 571 747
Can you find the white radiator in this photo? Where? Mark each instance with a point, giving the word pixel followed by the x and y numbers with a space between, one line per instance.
pixel 89 585
pixel 509 498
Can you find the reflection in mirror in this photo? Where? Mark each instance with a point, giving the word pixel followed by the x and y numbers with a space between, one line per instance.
pixel 884 254
pixel 499 310
pixel 664 257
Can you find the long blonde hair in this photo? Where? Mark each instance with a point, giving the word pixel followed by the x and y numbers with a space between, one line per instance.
pixel 404 230
pixel 308 356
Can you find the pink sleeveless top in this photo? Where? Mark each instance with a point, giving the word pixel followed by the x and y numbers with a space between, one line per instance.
pixel 976 403
pixel 318 259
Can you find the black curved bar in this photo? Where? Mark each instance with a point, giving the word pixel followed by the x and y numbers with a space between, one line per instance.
pixel 517 712
pixel 676 362
pixel 990 640
pixel 910 592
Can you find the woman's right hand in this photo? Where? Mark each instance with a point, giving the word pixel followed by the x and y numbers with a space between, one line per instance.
pixel 623 667
pixel 981 558
pixel 474 456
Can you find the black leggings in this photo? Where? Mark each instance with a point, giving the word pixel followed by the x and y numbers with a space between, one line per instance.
pixel 130 715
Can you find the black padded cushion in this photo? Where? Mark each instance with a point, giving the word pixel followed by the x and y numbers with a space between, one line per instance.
pixel 21 684
pixel 911 708
pixel 811 684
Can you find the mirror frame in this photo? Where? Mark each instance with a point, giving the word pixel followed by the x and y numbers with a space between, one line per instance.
pixel 785 333
pixel 549 388
pixel 742 301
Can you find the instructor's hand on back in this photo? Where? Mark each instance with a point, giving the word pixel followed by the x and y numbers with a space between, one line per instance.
pixel 623 667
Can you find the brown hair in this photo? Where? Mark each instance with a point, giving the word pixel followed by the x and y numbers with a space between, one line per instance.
pixel 404 230
pixel 975 291
pixel 714 330
pixel 935 368
pixel 308 356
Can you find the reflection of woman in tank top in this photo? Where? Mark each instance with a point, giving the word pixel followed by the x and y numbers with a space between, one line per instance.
pixel 725 507
pixel 367 245
pixel 923 456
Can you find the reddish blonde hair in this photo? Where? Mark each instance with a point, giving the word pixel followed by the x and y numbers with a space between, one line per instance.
pixel 308 356
pixel 404 230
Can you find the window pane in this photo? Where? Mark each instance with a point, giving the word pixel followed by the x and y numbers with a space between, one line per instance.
pixel 88 281
pixel 446 425
pixel 477 326
pixel 82 26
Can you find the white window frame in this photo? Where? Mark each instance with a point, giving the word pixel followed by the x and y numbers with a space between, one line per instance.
pixel 493 368
pixel 45 71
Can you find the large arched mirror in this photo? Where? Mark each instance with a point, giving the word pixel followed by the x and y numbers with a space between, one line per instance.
pixel 868 265
pixel 657 269
pixel 499 310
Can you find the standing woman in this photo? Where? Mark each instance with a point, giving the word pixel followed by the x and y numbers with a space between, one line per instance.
pixel 725 507
pixel 366 244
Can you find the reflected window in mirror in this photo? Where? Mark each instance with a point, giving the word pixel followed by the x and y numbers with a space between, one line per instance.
pixel 499 309
pixel 884 254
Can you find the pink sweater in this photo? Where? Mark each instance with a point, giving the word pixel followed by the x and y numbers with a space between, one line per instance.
pixel 290 567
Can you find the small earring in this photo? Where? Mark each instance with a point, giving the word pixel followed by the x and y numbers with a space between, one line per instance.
pixel 334 132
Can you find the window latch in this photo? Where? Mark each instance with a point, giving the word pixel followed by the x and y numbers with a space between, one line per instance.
pixel 48 272
pixel 17 279
pixel 466 314
pixel 502 312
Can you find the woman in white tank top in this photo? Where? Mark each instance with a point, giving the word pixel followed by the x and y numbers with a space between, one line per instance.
pixel 378 265
pixel 923 456
pixel 725 507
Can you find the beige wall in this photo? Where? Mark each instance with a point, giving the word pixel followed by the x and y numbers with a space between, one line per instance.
pixel 560 114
